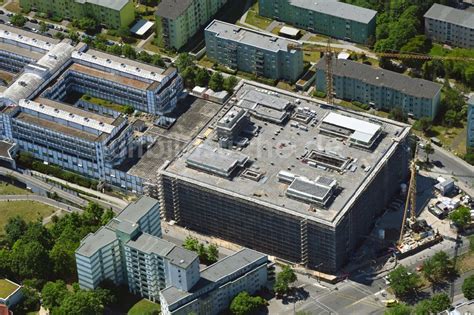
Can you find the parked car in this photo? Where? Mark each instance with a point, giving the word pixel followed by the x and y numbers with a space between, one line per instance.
pixel 390 303
pixel 2 12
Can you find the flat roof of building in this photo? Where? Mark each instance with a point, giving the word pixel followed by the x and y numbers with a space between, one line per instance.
pixel 111 4
pixel 141 27
pixel 26 38
pixel 17 50
pixel 113 77
pixel 289 31
pixel 171 9
pixel 336 8
pixel 137 209
pixel 381 77
pixel 150 244
pixel 79 112
pixel 71 114
pixel 248 36
pixel 132 68
pixel 63 129
pixel 7 288
pixel 181 257
pixel 296 148
pixel 95 241
pixel 215 272
pixel 5 148
pixel 196 115
pixel 451 15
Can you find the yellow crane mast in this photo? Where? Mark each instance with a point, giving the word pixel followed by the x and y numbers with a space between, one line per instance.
pixel 410 203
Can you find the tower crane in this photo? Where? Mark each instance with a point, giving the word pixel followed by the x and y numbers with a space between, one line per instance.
pixel 329 53
pixel 410 203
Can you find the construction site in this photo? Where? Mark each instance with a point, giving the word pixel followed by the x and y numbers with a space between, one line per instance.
pixel 288 176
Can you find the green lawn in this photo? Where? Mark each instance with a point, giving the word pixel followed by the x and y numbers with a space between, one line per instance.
pixel 144 307
pixel 9 189
pixel 256 20
pixel 14 6
pixel 6 288
pixel 104 103
pixel 453 138
pixel 28 210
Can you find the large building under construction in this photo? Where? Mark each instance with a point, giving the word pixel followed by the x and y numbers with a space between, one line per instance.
pixel 282 174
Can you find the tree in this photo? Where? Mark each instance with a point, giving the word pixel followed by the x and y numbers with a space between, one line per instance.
pixel 81 303
pixel 422 308
pixel 202 77
pixel 36 231
pixel 450 118
pixel 284 278
pixel 25 159
pixel 129 52
pixel 461 217
pixel 402 282
pixel 144 56
pixel 440 302
pixel 14 229
pixel 18 20
pixel 128 109
pixel 437 268
pixel 29 303
pixel 62 257
pixel 243 303
pixel 53 294
pixel 419 44
pixel 114 49
pixel 30 260
pixel 229 83
pixel 43 27
pixel 468 287
pixel 216 83
pixel 428 148
pixel 86 23
pixel 189 77
pixel 123 32
pixel 212 254
pixel 397 114
pixel 423 124
pixel 157 60
pixel 5 262
pixel 73 35
pixel 184 61
pixel 399 309
pixel 191 243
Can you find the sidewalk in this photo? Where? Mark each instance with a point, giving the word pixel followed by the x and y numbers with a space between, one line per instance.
pixel 114 200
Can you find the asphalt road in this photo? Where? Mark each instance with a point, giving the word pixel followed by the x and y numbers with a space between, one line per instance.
pixel 450 165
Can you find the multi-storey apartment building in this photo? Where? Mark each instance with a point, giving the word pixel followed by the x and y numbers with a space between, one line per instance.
pixel 70 137
pixel 102 256
pixel 130 250
pixel 179 20
pixel 251 51
pixel 39 114
pixel 147 88
pixel 18 48
pixel 470 123
pixel 328 17
pixel 450 26
pixel 112 14
pixel 380 88
pixel 246 270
